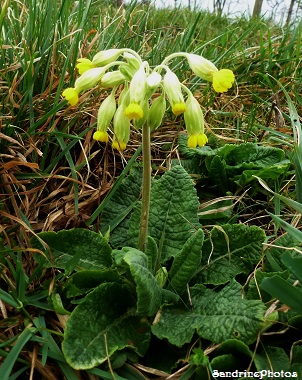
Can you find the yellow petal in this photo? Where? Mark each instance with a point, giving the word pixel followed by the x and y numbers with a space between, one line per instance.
pixel 223 80
pixel 71 95
pixel 178 108
pixel 192 141
pixel 101 136
pixel 134 111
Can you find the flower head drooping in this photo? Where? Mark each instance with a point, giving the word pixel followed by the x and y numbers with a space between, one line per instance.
pixel 121 125
pixel 223 80
pixel 172 88
pixel 205 69
pixel 137 91
pixel 194 123
pixel 105 115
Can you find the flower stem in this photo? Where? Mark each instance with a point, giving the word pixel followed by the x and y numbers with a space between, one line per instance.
pixel 146 187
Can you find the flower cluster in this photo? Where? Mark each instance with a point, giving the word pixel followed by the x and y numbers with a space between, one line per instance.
pixel 144 94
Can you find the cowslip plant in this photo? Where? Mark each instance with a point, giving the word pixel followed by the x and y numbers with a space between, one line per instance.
pixel 142 100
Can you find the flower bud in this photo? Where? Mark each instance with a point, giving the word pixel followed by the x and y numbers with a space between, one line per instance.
pixel 106 113
pixel 111 79
pixel 121 125
pixel 137 86
pixel 104 57
pixel 173 90
pixel 89 79
pixel 156 112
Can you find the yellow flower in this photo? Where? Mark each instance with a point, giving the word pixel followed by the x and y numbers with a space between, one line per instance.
pixel 71 95
pixel 205 69
pixel 83 65
pixel 193 116
pixel 101 136
pixel 195 140
pixel 119 145
pixel 223 80
pixel 134 111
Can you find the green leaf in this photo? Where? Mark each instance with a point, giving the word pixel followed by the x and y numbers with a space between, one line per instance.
pixel 117 212
pixel 218 175
pixel 186 262
pixel 231 249
pixel 271 172
pixel 74 249
pixel 103 324
pixel 9 362
pixel 283 291
pixel 152 254
pixel 253 156
pixel 293 231
pixel 149 293
pixel 82 282
pixel 293 264
pixel 173 213
pixel 215 316
pixel 272 359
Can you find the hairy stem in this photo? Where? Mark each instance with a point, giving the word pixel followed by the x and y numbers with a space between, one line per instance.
pixel 146 186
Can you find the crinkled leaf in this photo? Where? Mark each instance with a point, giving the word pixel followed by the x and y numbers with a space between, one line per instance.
pixel 74 249
pixel 173 213
pixel 117 213
pixel 83 281
pixel 103 324
pixel 152 254
pixel 270 172
pixel 186 262
pixel 231 249
pixel 149 293
pixel 273 358
pixel 218 175
pixel 214 316
pixel 250 155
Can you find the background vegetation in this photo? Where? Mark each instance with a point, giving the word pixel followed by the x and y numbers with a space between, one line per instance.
pixel 54 176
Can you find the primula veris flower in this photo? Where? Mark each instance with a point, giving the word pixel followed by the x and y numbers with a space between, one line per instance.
pixel 101 136
pixel 139 122
pixel 195 140
pixel 173 91
pixel 83 65
pixel 223 80
pixel 194 121
pixel 104 57
pixel 71 95
pixel 156 112
pixel 193 116
pixel 205 69
pixel 106 113
pixel 121 125
pixel 137 88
